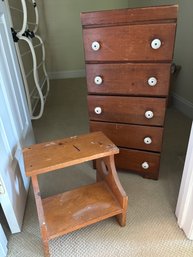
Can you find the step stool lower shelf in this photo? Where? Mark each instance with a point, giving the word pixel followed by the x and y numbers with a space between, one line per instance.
pixel 78 208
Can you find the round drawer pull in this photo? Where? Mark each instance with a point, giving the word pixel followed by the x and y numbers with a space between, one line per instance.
pixel 147 140
pixel 98 80
pixel 98 110
pixel 149 114
pixel 95 46
pixel 145 165
pixel 156 43
pixel 152 81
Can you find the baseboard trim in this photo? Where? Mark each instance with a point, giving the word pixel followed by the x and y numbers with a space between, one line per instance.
pixel 66 74
pixel 183 105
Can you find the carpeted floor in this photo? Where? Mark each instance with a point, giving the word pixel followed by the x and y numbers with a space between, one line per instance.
pixel 151 229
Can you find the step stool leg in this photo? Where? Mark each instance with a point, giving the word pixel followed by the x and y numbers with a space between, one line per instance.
pixel 46 248
pixel 106 171
pixel 41 217
pixel 121 218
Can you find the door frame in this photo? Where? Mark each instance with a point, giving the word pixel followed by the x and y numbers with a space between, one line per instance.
pixel 3 243
pixel 13 180
pixel 184 208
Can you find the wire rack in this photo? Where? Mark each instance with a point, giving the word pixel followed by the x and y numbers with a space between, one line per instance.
pixel 24 17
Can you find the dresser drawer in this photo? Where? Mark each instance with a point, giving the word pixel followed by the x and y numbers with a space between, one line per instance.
pixel 128 79
pixel 135 110
pixel 130 43
pixel 131 136
pixel 141 162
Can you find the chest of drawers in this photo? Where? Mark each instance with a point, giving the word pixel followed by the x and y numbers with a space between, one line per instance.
pixel 128 56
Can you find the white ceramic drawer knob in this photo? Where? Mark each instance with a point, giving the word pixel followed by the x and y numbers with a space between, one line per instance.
pixel 98 80
pixel 152 81
pixel 156 43
pixel 95 46
pixel 145 165
pixel 147 140
pixel 98 110
pixel 149 114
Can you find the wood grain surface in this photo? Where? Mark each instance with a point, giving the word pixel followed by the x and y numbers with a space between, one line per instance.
pixel 128 79
pixel 127 109
pixel 57 154
pixel 130 136
pixel 130 15
pixel 130 43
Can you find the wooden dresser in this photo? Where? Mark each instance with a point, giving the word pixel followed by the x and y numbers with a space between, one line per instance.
pixel 128 56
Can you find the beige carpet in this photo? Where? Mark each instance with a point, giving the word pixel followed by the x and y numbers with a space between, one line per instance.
pixel 151 228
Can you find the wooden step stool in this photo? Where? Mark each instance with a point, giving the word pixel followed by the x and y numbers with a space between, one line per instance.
pixel 75 209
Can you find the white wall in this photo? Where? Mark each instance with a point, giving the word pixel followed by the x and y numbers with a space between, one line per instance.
pixel 64 33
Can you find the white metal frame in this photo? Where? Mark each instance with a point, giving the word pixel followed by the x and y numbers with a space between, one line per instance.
pixel 37 17
pixel 19 33
pixel 184 208
pixel 25 17
pixel 42 97
pixel 38 86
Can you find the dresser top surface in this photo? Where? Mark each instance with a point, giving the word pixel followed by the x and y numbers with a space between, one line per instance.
pixel 130 15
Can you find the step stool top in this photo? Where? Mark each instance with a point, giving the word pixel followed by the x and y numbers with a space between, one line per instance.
pixel 57 154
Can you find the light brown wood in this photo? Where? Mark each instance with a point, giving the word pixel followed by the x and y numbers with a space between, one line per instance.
pixel 79 208
pixel 106 171
pixel 41 217
pixel 72 210
pixel 45 157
